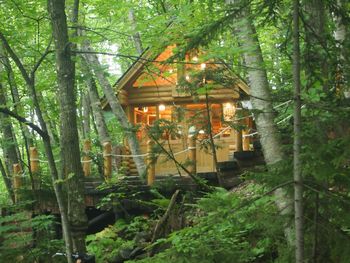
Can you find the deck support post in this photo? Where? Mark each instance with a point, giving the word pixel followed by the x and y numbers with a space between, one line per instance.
pixel 34 165
pixel 192 154
pixel 239 145
pixel 151 167
pixel 17 180
pixel 107 160
pixel 87 158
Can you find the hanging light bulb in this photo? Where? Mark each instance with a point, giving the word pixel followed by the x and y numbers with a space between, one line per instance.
pixel 203 66
pixel 145 109
pixel 161 107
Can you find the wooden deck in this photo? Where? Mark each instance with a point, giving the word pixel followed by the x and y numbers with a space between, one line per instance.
pixel 165 184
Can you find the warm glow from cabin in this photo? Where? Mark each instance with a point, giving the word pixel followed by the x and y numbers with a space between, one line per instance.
pixel 229 111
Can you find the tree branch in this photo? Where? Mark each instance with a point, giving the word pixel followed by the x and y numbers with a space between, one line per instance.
pixel 41 59
pixel 16 59
pixel 36 128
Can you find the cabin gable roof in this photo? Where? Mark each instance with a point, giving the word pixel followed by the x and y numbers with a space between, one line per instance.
pixel 151 71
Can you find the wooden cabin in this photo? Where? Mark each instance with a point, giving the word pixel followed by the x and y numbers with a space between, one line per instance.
pixel 150 90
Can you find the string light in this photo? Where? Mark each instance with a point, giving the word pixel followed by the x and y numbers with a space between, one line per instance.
pixel 161 107
pixel 195 59
pixel 145 109
pixel 203 66
pixel 187 77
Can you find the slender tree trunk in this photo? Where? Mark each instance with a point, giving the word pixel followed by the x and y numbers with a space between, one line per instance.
pixel 9 140
pixel 261 101
pixel 298 183
pixel 136 35
pixel 7 182
pixel 86 114
pixel 95 103
pixel 69 140
pixel 15 97
pixel 117 109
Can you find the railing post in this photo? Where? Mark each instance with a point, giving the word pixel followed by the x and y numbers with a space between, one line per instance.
pixel 86 157
pixel 34 165
pixel 192 154
pixel 17 180
pixel 107 160
pixel 151 166
pixel 34 159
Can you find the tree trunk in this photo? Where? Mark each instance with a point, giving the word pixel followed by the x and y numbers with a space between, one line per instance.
pixel 136 35
pixel 261 102
pixel 95 103
pixel 8 136
pixel 69 140
pixel 86 114
pixel 298 183
pixel 7 182
pixel 18 106
pixel 117 109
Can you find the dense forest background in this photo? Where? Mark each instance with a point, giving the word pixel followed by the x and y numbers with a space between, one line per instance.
pixel 60 58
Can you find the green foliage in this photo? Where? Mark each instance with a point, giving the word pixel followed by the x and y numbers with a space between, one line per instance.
pixel 27 239
pixel 106 244
pixel 115 240
pixel 227 227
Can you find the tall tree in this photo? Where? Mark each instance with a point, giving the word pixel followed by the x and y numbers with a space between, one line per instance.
pixel 261 101
pixel 95 103
pixel 69 140
pixel 297 169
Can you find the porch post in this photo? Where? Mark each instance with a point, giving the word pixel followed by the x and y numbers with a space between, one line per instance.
pixel 17 180
pixel 34 165
pixel 86 157
pixel 192 154
pixel 107 160
pixel 238 139
pixel 151 166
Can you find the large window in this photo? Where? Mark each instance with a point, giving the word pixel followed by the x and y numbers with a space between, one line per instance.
pixel 194 119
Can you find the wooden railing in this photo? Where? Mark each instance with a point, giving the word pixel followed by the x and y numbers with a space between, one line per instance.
pixel 189 151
